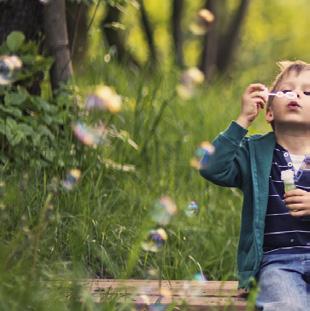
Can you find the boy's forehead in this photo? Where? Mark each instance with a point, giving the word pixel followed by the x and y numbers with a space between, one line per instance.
pixel 293 76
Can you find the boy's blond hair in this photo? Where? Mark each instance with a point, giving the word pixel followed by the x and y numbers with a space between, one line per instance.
pixel 286 67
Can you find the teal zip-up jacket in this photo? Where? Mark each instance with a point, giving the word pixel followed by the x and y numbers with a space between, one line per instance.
pixel 245 163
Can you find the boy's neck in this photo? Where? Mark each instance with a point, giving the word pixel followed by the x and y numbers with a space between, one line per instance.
pixel 295 141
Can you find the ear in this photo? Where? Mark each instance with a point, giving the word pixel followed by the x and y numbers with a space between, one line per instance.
pixel 269 115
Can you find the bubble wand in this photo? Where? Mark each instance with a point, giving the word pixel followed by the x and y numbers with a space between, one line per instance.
pixel 289 95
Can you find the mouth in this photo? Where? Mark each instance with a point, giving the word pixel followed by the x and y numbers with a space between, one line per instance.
pixel 293 105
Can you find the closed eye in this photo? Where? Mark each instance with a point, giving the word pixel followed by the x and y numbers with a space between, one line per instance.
pixel 307 93
pixel 286 91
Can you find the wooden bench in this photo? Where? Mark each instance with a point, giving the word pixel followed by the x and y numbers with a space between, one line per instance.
pixel 182 294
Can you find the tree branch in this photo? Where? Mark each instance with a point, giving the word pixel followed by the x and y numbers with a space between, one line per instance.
pixel 148 31
pixel 177 35
pixel 228 42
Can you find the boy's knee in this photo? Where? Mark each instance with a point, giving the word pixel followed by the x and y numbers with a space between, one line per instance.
pixel 286 305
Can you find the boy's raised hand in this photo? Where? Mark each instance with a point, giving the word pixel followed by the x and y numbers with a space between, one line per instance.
pixel 298 202
pixel 254 98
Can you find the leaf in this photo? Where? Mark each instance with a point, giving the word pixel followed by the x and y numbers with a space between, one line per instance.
pixel 26 129
pixel 15 99
pixel 17 138
pixel 43 105
pixel 15 112
pixel 2 127
pixel 44 131
pixel 15 40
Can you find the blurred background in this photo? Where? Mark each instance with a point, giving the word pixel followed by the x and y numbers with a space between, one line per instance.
pixel 105 110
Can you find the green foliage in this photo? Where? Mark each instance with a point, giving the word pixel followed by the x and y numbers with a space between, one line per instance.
pixel 32 126
pixel 15 40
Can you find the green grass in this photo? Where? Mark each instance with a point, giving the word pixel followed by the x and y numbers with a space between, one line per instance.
pixel 96 229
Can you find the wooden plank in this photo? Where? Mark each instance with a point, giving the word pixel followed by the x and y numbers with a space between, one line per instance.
pixel 196 295
pixel 198 288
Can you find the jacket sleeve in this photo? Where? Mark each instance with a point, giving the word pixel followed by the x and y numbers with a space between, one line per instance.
pixel 224 166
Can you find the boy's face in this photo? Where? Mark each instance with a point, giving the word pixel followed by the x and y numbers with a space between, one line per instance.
pixel 292 112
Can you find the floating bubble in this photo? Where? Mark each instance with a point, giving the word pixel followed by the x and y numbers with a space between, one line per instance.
pixel 8 66
pixel 155 240
pixel 153 302
pixel 71 179
pixel 192 209
pixel 163 210
pixel 157 307
pixel 202 155
pixel 90 136
pixel 162 301
pixel 203 20
pixel 189 80
pixel 198 290
pixel 107 58
pixel 192 76
pixel 199 276
pixel 104 98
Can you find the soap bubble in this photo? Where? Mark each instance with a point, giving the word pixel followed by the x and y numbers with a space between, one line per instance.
pixel 203 20
pixel 202 155
pixel 189 80
pixel 153 301
pixel 192 76
pixel 90 136
pixel 197 290
pixel 71 179
pixel 155 240
pixel 104 98
pixel 163 210
pixel 199 276
pixel 192 209
pixel 163 300
pixel 8 67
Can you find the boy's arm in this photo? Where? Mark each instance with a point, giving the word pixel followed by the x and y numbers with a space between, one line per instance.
pixel 223 166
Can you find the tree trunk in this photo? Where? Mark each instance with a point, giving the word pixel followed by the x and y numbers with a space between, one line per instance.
pixel 177 35
pixel 210 42
pixel 55 27
pixel 113 38
pixel 21 15
pixel 229 41
pixel 77 20
pixel 148 31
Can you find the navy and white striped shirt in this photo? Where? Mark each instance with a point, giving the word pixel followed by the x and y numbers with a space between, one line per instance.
pixel 283 232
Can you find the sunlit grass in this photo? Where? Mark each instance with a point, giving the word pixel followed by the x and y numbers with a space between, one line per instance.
pixel 96 229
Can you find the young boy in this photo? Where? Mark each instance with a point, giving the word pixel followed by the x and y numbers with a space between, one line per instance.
pixel 274 245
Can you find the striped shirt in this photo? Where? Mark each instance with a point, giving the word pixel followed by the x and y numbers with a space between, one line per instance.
pixel 283 232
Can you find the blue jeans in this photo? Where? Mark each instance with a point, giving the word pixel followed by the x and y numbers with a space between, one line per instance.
pixel 284 282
